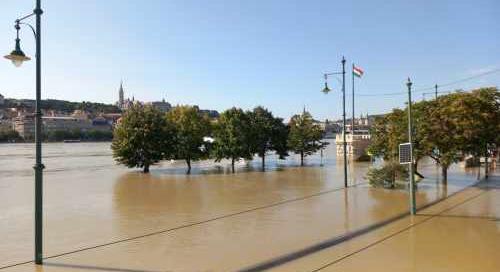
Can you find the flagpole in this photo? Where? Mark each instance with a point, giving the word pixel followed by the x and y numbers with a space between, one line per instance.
pixel 352 121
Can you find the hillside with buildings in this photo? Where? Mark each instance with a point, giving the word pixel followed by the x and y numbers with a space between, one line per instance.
pixel 66 120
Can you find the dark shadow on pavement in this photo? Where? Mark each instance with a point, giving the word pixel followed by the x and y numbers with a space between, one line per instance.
pixel 464 216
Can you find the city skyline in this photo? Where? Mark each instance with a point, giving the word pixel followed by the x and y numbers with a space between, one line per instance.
pixel 206 53
pixel 124 101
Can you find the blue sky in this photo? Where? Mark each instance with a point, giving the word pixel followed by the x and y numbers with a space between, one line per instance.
pixel 245 53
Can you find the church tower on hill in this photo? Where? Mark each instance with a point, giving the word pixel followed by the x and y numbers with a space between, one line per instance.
pixel 121 94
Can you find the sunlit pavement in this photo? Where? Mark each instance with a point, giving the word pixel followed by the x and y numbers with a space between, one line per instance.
pixel 458 234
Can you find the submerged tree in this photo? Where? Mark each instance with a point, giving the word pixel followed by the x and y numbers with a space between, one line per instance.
pixel 268 133
pixel 279 138
pixel 463 123
pixel 390 130
pixel 142 138
pixel 232 136
pixel 304 137
pixel 446 129
pixel 387 132
pixel 482 129
pixel 191 127
pixel 444 133
pixel 387 175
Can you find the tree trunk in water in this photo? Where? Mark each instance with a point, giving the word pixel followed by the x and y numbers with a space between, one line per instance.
pixel 479 173
pixel 263 161
pixel 444 173
pixel 393 179
pixel 416 171
pixel 232 165
pixel 301 158
pixel 486 165
pixel 188 161
pixel 146 168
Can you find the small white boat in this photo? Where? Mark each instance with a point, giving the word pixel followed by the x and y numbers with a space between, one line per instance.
pixel 71 141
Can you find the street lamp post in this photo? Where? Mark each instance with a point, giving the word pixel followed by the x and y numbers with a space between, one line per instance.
pixel 413 204
pixel 327 90
pixel 18 57
pixel 352 120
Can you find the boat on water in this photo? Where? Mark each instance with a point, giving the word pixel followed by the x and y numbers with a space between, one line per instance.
pixel 71 141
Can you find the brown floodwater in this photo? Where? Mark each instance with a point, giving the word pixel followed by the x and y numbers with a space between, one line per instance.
pixel 90 201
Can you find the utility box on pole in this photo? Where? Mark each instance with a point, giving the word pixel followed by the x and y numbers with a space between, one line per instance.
pixel 405 153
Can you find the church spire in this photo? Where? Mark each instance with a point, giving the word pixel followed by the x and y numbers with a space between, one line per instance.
pixel 121 94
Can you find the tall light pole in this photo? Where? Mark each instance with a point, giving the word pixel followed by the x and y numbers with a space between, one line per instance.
pixel 327 90
pixel 413 205
pixel 18 57
pixel 352 121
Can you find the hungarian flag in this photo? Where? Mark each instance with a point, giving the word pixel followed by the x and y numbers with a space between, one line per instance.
pixel 357 71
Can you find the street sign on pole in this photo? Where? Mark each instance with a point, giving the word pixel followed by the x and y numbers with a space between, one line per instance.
pixel 405 153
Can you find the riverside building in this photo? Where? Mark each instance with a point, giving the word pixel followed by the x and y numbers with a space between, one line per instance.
pixel 25 124
pixel 357 140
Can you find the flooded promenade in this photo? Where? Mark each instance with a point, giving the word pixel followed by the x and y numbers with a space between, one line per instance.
pixel 101 215
pixel 458 234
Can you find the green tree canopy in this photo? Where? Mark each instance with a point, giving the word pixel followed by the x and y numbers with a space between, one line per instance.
pixel 387 132
pixel 279 138
pixel 463 123
pixel 142 138
pixel 481 128
pixel 191 126
pixel 304 137
pixel 232 136
pixel 390 130
pixel 445 129
pixel 269 133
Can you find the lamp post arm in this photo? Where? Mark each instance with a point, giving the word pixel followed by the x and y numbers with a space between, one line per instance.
pixel 25 17
pixel 32 29
pixel 332 74
pixel 19 21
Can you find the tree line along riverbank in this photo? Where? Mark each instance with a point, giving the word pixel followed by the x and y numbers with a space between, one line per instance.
pixel 144 136
pixel 447 129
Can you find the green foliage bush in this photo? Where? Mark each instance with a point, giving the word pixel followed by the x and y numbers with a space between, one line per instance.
pixel 387 175
pixel 305 136
pixel 444 129
pixel 189 126
pixel 232 136
pixel 269 133
pixel 143 138
pixel 9 135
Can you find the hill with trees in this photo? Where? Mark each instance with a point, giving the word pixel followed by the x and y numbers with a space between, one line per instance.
pixel 61 105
